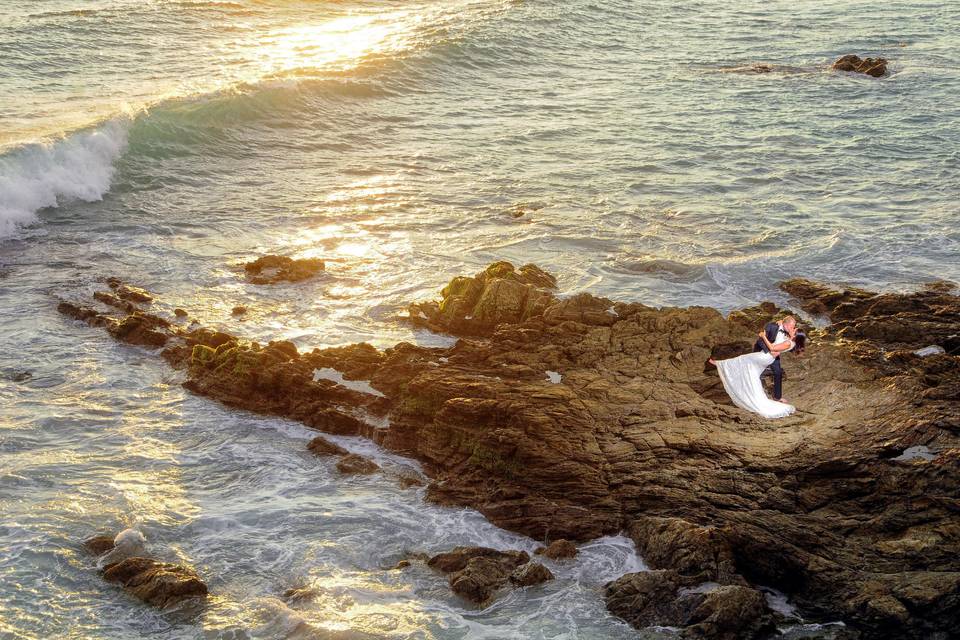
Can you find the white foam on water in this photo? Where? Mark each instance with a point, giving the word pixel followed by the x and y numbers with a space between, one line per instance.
pixel 41 175
pixel 336 377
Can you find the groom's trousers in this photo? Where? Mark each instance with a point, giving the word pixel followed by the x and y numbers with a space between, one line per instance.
pixel 777 379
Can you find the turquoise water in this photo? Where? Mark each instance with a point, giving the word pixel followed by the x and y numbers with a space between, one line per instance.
pixel 167 142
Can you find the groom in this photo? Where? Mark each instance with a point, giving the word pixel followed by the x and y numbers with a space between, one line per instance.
pixel 776 332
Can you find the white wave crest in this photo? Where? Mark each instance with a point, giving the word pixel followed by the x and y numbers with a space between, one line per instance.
pixel 41 175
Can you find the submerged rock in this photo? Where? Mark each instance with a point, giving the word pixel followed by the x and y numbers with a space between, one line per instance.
pixel 876 67
pixel 323 447
pixel 639 436
pixel 353 464
pixel 273 269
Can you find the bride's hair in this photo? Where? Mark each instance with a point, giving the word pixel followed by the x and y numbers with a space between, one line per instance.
pixel 799 342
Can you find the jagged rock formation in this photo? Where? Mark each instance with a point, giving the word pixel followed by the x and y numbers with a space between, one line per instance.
pixel 876 67
pixel 633 433
pixel 274 269
pixel 477 573
pixel 665 598
pixel 160 584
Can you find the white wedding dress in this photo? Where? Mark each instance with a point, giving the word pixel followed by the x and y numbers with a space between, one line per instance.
pixel 741 379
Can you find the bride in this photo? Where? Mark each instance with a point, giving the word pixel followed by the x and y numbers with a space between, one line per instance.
pixel 741 375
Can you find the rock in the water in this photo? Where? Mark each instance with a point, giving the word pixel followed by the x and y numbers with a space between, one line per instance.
pixel 273 269
pixel 99 544
pixel 323 447
pixel 180 313
pixel 476 573
pixel 875 67
pixel 353 464
pixel 530 574
pixel 558 550
pixel 127 544
pixel 663 598
pixel 239 311
pixel 158 583
pixel 410 479
pixel 129 293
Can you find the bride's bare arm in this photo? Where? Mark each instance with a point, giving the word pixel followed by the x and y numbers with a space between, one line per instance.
pixel 776 348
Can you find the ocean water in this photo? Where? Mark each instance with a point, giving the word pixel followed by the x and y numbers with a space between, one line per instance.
pixel 618 144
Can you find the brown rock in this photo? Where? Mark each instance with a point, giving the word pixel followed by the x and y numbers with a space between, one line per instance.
pixel 408 480
pixel 99 544
pixel 558 550
pixel 352 464
pixel 239 311
pixel 530 574
pixel 274 269
pixel 180 313
pixel 499 294
pixel 663 598
pixel 875 67
pixel 323 447
pixel 476 573
pixel 158 583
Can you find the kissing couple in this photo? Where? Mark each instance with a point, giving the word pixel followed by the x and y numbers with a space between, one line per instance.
pixel 741 375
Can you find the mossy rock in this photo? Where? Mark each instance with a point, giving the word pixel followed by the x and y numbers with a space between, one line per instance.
pixel 202 355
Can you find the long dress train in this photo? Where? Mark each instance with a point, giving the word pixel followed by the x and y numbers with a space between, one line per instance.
pixel 741 379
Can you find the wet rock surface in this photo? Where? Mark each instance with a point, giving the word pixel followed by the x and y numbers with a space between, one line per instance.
pixel 638 435
pixel 275 269
pixel 664 598
pixel 161 584
pixel 876 67
pixel 477 573
pixel 558 550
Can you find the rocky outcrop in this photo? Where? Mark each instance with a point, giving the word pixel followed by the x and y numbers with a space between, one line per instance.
pixel 477 573
pixel 160 584
pixel 275 269
pixel 496 295
pixel 633 433
pixel 664 598
pixel 876 67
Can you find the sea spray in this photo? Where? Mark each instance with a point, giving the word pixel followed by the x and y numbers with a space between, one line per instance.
pixel 40 175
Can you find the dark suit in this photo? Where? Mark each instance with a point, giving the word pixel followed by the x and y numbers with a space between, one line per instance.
pixel 771 330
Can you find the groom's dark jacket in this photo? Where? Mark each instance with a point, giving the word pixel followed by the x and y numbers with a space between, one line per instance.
pixel 771 331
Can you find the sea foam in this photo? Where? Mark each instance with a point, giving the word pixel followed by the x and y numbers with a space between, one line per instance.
pixel 45 174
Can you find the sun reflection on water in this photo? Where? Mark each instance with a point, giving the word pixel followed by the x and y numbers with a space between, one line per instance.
pixel 336 45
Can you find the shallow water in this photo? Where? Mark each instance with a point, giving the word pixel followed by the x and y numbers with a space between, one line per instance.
pixel 403 144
